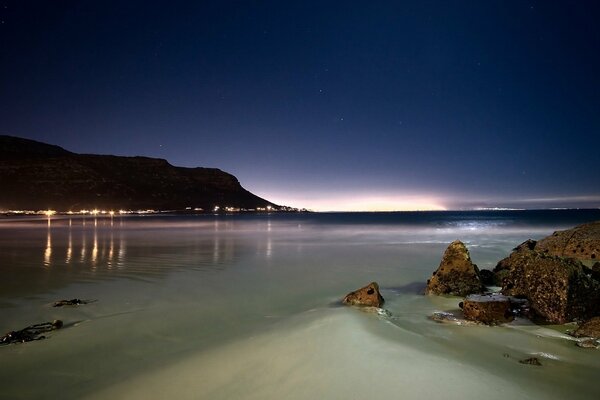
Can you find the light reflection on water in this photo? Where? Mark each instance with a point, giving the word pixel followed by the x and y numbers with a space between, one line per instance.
pixel 98 243
pixel 103 244
pixel 48 250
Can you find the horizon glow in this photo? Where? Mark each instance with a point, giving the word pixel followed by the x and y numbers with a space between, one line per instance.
pixel 373 201
pixel 360 201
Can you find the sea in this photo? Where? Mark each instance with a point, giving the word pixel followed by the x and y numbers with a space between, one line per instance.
pixel 247 306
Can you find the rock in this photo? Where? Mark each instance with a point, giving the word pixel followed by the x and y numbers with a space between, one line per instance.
pixel 558 289
pixel 488 278
pixel 72 302
pixel 490 309
pixel 449 318
pixel 588 344
pixel 456 275
pixel 531 361
pixel 581 242
pixel 376 310
pixel 366 296
pixel 590 328
pixel 595 271
pixel 30 333
pixel 503 266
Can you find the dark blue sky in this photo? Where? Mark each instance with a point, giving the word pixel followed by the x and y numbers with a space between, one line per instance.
pixel 325 105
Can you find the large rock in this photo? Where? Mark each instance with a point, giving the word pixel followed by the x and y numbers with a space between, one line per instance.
pixel 590 328
pixel 456 275
pixel 558 289
pixel 490 309
pixel 368 296
pixel 581 242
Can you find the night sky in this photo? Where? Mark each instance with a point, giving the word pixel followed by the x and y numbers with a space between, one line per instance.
pixel 326 105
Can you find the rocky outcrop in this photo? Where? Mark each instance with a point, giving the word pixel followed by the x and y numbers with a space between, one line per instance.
pixel 368 296
pixel 581 242
pixel 489 309
pixel 456 275
pixel 558 289
pixel 590 328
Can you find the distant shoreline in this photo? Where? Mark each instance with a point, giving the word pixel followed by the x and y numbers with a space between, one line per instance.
pixel 595 212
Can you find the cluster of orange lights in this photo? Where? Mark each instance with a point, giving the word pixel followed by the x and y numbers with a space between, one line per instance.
pixel 94 212
pixel 111 213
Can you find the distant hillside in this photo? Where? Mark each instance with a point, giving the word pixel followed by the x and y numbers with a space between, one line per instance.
pixel 38 176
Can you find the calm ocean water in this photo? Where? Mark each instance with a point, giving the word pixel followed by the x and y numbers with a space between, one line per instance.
pixel 246 307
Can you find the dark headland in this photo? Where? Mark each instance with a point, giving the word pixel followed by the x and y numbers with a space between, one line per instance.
pixel 40 176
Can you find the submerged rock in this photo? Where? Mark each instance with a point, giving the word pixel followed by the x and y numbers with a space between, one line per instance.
pixel 376 310
pixel 558 289
pixel 531 361
pixel 588 344
pixel 456 275
pixel 449 318
pixel 489 309
pixel 590 328
pixel 366 296
pixel 581 242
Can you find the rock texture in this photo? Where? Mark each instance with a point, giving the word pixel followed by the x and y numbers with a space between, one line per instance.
pixel 490 309
pixel 588 344
pixel 558 289
pixel 368 296
pixel 456 275
pixel 595 271
pixel 590 328
pixel 531 361
pixel 38 176
pixel 487 277
pixel 581 242
pixel 449 318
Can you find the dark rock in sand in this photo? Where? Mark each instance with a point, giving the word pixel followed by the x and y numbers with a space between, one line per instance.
pixel 558 289
pixel 366 296
pixel 581 242
pixel 590 328
pixel 531 361
pixel 72 302
pixel 490 309
pixel 31 333
pixel 456 275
